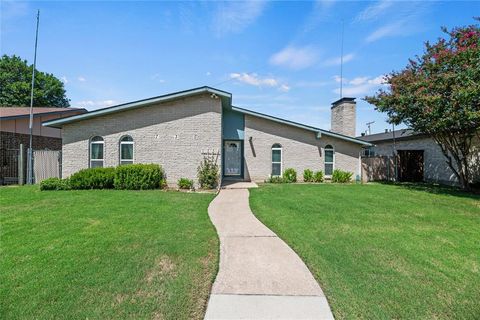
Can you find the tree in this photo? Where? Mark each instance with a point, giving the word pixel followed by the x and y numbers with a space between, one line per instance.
pixel 438 93
pixel 16 82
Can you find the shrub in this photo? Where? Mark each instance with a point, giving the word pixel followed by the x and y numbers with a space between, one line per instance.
pixel 184 183
pixel 290 175
pixel 139 177
pixel 318 176
pixel 208 173
pixel 308 175
pixel 55 184
pixel 275 179
pixel 341 176
pixel 93 178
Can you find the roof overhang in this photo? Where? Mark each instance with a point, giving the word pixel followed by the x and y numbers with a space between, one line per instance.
pixel 319 132
pixel 225 97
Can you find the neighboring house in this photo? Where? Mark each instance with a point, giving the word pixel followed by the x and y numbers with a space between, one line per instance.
pixel 14 131
pixel 178 130
pixel 419 156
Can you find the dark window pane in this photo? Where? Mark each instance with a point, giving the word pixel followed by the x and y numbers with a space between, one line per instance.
pixel 127 138
pixel 276 155
pixel 276 169
pixel 126 162
pixel 126 151
pixel 96 164
pixel 96 151
pixel 328 169
pixel 328 155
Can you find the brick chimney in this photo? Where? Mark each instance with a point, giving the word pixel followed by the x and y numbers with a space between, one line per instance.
pixel 344 116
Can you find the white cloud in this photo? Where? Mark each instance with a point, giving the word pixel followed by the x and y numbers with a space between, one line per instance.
pixel 337 79
pixel 337 60
pixel 392 29
pixel 318 13
pixel 254 79
pixel 295 57
pixel 81 79
pixel 361 85
pixel 64 79
pixel 94 104
pixel 234 17
pixel 157 77
pixel 208 73
pixel 373 11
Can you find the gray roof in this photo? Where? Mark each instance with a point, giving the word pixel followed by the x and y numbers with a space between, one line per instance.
pixel 402 134
pixel 226 101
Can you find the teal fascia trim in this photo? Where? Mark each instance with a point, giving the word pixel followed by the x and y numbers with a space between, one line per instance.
pixel 225 96
pixel 302 126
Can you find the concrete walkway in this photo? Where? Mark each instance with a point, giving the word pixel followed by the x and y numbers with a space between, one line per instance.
pixel 260 276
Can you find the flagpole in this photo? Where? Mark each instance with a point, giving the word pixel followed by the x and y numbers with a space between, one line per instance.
pixel 30 127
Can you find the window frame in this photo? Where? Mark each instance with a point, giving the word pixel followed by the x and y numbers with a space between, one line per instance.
pixel 328 147
pixel 121 142
pixel 90 160
pixel 277 146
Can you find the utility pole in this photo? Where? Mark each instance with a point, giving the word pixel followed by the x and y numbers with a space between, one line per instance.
pixel 30 126
pixel 341 61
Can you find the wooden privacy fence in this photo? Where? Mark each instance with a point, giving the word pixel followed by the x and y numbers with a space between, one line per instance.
pixel 46 164
pixel 379 168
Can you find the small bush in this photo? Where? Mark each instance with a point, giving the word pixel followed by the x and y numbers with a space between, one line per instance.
pixel 93 178
pixel 308 175
pixel 290 175
pixel 208 173
pixel 139 177
pixel 55 184
pixel 275 179
pixel 340 176
pixel 184 183
pixel 318 176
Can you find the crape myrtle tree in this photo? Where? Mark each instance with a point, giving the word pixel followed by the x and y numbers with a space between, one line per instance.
pixel 16 82
pixel 438 93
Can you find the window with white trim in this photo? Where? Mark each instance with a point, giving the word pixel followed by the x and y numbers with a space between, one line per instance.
pixel 276 160
pixel 96 152
pixel 329 160
pixel 126 150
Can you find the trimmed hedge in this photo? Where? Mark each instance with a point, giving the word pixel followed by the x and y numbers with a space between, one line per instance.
pixel 93 178
pixel 55 184
pixel 139 177
pixel 340 176
pixel 186 184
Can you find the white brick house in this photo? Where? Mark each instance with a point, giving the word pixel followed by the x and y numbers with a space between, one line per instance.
pixel 177 130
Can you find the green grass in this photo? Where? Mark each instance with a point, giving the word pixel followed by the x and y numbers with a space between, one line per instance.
pixel 382 251
pixel 105 254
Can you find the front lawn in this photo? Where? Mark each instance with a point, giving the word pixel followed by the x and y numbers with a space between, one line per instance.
pixel 382 251
pixel 105 254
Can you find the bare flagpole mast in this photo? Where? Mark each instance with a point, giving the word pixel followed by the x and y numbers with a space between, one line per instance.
pixel 341 62
pixel 30 127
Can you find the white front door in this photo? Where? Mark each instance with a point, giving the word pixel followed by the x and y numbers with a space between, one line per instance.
pixel 233 158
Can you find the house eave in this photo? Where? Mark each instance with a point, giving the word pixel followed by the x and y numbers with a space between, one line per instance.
pixel 225 96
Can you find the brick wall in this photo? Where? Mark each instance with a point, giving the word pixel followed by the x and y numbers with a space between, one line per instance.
pixel 300 149
pixel 173 134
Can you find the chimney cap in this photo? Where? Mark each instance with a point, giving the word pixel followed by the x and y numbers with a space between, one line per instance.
pixel 342 100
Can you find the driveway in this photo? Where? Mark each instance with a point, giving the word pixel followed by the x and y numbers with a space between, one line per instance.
pixel 260 276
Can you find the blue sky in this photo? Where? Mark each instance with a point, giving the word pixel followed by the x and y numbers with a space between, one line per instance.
pixel 280 58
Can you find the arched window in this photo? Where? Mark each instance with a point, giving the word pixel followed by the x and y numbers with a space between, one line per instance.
pixel 96 152
pixel 126 150
pixel 276 160
pixel 329 160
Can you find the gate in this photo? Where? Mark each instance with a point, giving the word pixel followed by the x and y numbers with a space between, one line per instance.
pixel 9 166
pixel 46 164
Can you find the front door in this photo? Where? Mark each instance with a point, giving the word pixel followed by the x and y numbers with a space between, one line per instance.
pixel 233 158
